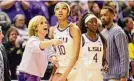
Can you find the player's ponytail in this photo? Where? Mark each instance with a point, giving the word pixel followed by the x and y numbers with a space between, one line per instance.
pixel 82 23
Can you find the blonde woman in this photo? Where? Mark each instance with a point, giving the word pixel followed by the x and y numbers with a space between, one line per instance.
pixel 35 57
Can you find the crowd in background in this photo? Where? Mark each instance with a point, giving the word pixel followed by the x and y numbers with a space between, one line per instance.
pixel 15 16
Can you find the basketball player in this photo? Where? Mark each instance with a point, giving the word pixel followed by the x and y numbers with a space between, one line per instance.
pixel 94 49
pixel 68 53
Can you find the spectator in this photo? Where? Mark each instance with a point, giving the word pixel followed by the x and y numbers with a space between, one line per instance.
pixel 84 6
pixel 131 46
pixel 37 7
pixel 90 4
pixel 4 65
pixel 129 11
pixel 52 18
pixel 75 14
pixel 13 7
pixel 128 26
pixel 95 9
pixel 122 7
pixel 114 5
pixel 4 22
pixel 14 50
pixel 19 23
pixel 117 51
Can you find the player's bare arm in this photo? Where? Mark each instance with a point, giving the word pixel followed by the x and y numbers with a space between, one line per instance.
pixel 104 61
pixel 50 35
pixel 51 30
pixel 76 35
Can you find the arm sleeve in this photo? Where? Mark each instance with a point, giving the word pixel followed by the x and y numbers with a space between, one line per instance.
pixel 35 46
pixel 122 47
pixel 50 52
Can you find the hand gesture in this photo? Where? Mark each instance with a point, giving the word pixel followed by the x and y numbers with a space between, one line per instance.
pixel 105 68
pixel 123 79
pixel 62 78
pixel 17 44
pixel 57 42
pixel 54 61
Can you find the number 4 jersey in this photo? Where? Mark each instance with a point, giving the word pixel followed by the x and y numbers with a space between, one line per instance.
pixel 93 52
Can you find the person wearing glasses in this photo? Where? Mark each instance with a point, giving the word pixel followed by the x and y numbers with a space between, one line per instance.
pixel 37 52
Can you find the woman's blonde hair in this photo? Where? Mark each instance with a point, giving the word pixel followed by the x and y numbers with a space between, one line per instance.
pixel 32 26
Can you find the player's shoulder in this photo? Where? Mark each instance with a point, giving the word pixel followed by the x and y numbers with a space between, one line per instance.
pixel 52 28
pixel 74 26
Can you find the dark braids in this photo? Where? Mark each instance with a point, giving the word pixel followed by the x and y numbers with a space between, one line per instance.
pixel 82 25
pixel 84 29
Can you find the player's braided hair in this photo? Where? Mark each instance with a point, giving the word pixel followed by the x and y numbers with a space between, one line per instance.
pixel 82 24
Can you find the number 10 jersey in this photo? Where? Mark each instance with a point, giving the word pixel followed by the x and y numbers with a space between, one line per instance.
pixel 64 51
